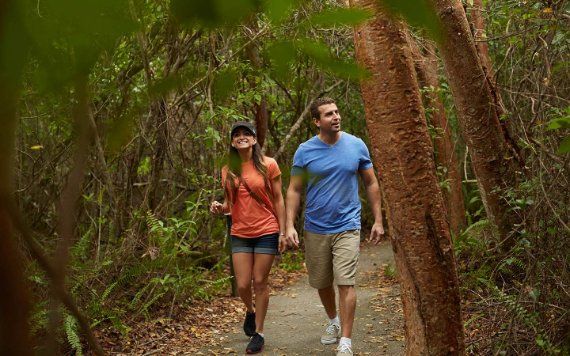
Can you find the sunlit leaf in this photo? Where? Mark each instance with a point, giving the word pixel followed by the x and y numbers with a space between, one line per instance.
pixel 561 122
pixel 417 13
pixel 338 17
pixel 36 147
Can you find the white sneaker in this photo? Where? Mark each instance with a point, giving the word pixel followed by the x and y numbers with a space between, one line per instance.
pixel 343 350
pixel 331 335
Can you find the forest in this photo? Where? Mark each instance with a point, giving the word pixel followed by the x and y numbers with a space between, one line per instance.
pixel 115 127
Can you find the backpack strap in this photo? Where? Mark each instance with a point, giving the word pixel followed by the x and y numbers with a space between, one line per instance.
pixel 255 196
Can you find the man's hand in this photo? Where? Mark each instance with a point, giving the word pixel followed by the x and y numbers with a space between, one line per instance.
pixel 376 233
pixel 292 237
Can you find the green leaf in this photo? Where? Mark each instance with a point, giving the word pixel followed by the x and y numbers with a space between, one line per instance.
pixel 120 132
pixel 14 44
pixel 80 29
pixel 564 145
pixel 320 53
pixel 417 13
pixel 281 54
pixel 212 13
pixel 559 123
pixel 278 10
pixel 165 85
pixel 224 83
pixel 338 17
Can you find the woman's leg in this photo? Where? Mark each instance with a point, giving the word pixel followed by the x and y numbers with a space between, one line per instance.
pixel 261 267
pixel 243 269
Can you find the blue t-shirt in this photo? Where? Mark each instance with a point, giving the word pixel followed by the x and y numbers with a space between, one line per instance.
pixel 331 173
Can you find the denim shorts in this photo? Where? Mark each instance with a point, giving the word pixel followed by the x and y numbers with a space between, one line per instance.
pixel 267 244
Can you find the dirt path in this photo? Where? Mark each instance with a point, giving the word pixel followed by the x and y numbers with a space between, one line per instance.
pixel 296 319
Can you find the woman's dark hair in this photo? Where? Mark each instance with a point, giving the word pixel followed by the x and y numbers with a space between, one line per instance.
pixel 234 168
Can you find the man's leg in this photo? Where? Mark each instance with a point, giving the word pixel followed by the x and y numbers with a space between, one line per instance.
pixel 346 249
pixel 327 296
pixel 319 264
pixel 347 305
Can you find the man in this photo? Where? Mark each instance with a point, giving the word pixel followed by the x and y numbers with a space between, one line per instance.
pixel 329 164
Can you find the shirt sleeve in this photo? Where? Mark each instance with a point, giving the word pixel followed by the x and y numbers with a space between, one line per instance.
pixel 273 170
pixel 298 163
pixel 364 161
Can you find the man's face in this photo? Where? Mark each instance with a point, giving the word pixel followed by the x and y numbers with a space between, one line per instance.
pixel 329 121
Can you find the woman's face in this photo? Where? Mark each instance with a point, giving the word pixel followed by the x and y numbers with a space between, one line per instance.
pixel 243 139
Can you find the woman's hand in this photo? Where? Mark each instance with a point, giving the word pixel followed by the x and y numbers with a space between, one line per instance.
pixel 217 208
pixel 283 243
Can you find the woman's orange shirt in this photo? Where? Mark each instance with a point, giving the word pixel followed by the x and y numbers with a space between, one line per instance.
pixel 249 217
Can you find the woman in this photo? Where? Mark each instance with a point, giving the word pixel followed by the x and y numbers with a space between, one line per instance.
pixel 252 187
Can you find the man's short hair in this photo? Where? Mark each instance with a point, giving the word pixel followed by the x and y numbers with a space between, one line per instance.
pixel 315 114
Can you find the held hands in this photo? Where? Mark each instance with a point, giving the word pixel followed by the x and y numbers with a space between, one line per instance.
pixel 376 233
pixel 218 208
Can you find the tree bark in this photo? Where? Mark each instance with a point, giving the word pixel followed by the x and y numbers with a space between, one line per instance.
pixel 480 36
pixel 14 298
pixel 445 156
pixel 403 153
pixel 492 159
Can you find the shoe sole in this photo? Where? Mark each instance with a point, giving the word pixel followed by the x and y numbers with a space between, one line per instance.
pixel 329 341
pixel 254 352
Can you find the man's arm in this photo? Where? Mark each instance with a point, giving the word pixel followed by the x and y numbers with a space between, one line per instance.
pixel 293 201
pixel 373 194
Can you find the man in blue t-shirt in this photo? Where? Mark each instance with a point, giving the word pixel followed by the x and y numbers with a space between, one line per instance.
pixel 329 165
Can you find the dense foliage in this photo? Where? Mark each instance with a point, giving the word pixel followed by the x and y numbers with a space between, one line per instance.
pixel 162 82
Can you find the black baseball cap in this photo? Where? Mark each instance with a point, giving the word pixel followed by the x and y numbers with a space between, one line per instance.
pixel 245 124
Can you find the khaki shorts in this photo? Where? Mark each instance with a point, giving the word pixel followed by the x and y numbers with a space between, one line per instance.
pixel 332 257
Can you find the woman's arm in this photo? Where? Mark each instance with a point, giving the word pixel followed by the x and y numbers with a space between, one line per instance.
pixel 279 206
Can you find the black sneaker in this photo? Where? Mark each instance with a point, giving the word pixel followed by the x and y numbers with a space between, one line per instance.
pixel 249 324
pixel 255 344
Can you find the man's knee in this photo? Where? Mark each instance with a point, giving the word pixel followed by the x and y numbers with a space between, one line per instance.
pixel 347 291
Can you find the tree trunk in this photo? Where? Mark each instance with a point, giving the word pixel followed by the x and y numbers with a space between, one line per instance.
pixel 491 157
pixel 445 156
pixel 14 298
pixel 480 37
pixel 403 153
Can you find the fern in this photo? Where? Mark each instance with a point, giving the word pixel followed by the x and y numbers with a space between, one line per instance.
pixel 70 326
pixel 527 318
pixel 108 291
